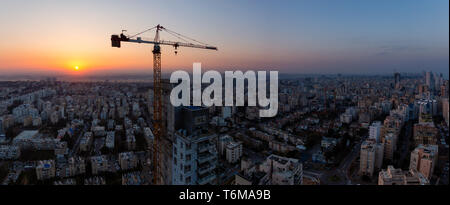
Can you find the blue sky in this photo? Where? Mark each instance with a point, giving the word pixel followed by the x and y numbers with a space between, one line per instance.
pixel 302 36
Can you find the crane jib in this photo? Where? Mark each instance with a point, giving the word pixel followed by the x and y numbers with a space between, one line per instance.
pixel 210 47
pixel 116 42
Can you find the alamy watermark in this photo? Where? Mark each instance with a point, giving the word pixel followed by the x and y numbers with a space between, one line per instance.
pixel 199 98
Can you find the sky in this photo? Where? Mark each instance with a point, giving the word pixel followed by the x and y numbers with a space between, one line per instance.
pixel 291 36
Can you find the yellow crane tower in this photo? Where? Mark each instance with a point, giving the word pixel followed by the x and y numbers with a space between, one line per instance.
pixel 157 87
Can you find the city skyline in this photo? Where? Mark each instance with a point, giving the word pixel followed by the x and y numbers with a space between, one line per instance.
pixel 305 37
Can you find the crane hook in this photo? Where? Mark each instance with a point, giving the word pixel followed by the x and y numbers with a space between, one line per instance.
pixel 176 48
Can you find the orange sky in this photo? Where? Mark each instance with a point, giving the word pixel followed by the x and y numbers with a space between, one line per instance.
pixel 89 52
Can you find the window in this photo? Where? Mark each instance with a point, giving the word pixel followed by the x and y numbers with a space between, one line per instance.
pixel 188 180
pixel 187 168
pixel 200 120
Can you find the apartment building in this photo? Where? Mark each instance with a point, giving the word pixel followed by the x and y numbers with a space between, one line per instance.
pixel 393 176
pixel 282 170
pixel 86 142
pixel 445 111
pixel 371 157
pixel 77 165
pixel 194 158
pixel 9 152
pixel 424 159
pixel 425 133
pixel 223 142
pixel 45 169
pixel 127 160
pixel 99 164
pixel 194 149
pixel 234 152
pixel 109 141
pixel 375 130
pixel 131 142
pixel 389 142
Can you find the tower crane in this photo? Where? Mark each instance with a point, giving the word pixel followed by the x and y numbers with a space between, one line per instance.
pixel 157 87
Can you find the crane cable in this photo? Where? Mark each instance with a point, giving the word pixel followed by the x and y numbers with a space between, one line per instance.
pixel 142 32
pixel 173 33
pixel 178 37
pixel 185 36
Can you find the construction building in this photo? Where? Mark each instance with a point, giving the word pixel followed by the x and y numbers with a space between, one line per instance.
pixel 194 151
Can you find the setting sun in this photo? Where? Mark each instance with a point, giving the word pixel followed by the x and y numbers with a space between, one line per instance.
pixel 77 68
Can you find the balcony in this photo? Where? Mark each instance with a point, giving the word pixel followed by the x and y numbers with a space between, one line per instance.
pixel 206 169
pixel 204 148
pixel 206 179
pixel 205 158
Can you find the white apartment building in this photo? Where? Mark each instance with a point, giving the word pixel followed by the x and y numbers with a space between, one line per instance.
pixel 375 130
pixel 110 137
pixel 371 157
pixel 234 152
pixel 223 142
pixel 392 176
pixel 282 171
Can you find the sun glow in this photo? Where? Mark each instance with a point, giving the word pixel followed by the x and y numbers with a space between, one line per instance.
pixel 77 67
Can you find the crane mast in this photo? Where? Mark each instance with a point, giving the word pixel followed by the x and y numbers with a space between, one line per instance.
pixel 157 108
pixel 157 86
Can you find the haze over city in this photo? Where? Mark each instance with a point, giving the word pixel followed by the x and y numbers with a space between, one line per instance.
pixel 320 37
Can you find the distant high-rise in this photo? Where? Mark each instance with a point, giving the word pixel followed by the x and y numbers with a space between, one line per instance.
pixel 397 80
pixel 429 80
pixel 445 110
pixel 444 90
pixel 437 81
